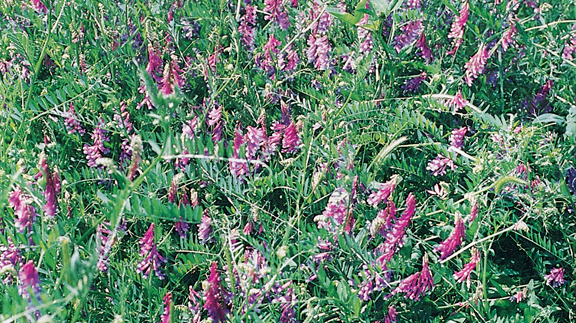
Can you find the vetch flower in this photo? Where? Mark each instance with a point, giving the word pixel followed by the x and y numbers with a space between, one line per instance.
pixel 395 235
pixel 238 168
pixel 555 278
pixel 275 11
pixel 569 48
pixel 136 148
pixel 390 317
pixel 457 137
pixel 105 240
pixel 154 66
pixel 448 246
pixel 337 212
pixel 508 37
pixel 413 84
pixel 52 189
pixel 151 257
pixel 166 316
pixel 10 258
pixel 247 26
pixel 24 212
pixel 213 298
pixel 457 30
pixel 476 64
pixel 39 6
pixel 438 165
pixel 99 135
pixel 422 45
pixel 171 77
pixel 384 192
pixel 72 123
pixel 464 273
pixel 318 48
pixel 409 34
pixel 364 37
pixel 457 102
pixel 205 228
pixel 416 284
pixel 30 284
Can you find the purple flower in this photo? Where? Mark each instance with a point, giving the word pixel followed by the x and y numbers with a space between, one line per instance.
pixel 457 137
pixel 194 304
pixel 275 11
pixel 52 188
pixel 205 228
pixel 99 135
pixel 540 104
pixel 413 4
pixel 154 67
pixel 384 193
pixel 413 84
pixel 166 316
pixel 383 221
pixel 105 241
pixel 292 58
pixel 464 273
pixel 238 168
pixel 247 24
pixel 424 49
pixel 151 256
pixel 476 65
pixel 255 138
pixel 410 33
pixel 416 284
pixel 457 102
pixel 438 165
pixel 569 48
pixel 396 234
pixel 72 123
pixel 213 296
pixel 318 48
pixel 30 284
pixel 136 151
pixel 457 30
pixel 24 212
pixel 39 6
pixel 473 213
pixel 364 37
pixel 171 77
pixel 336 213
pixel 508 37
pixel 448 246
pixel 10 258
pixel 555 278
pixel 390 317
pixel 291 139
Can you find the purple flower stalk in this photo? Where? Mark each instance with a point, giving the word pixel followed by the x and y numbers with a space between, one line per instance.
pixel 205 228
pixel 416 284
pixel 105 242
pixel 457 102
pixel 194 304
pixel 384 193
pixel 275 11
pixel 422 45
pixel 383 222
pixel 292 58
pixel 336 212
pixel 247 24
pixel 213 296
pixel 396 234
pixel 52 188
pixel 508 37
pixel 464 273
pixel 30 286
pixel 413 84
pixel 473 213
pixel 291 139
pixel 151 256
pixel 410 33
pixel 318 48
pixel 364 37
pixel 154 66
pixel 457 30
pixel 569 49
pixel 555 278
pixel 413 4
pixel 448 246
pixel 390 317
pixel 476 65
pixel 166 316
pixel 24 212
pixel 39 6
pixel 171 77
pixel 438 165
pixel 10 258
pixel 72 123
pixel 238 168
pixel 457 137
pixel 99 135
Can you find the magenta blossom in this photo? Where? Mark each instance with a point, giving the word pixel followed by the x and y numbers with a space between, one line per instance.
pixel 409 35
pixel 52 189
pixel 72 123
pixel 151 257
pixel 166 316
pixel 457 102
pixel 457 137
pixel 457 30
pixel 247 26
pixel 24 212
pixel 318 48
pixel 171 77
pixel 508 37
pixel 39 6
pixel 154 66
pixel 416 284
pixel 422 45
pixel 213 299
pixel 384 192
pixel 275 11
pixel 10 258
pixel 448 246
pixel 464 273
pixel 97 150
pixel 555 278
pixel 205 228
pixel 30 284
pixel 396 234
pixel 476 64
pixel 438 165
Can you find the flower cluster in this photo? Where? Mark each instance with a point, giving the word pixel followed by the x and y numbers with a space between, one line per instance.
pixel 476 64
pixel 555 278
pixel 457 30
pixel 464 273
pixel 152 259
pixel 52 189
pixel 72 123
pixel 24 212
pixel 416 284
pixel 448 246
pixel 97 150
pixel 439 164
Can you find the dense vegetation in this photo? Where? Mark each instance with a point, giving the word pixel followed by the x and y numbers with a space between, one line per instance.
pixel 287 161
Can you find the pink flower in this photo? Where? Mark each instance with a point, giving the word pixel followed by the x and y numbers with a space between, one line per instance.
pixel 508 37
pixel 473 213
pixel 205 228
pixel 364 37
pixel 154 66
pixel 396 234
pixel 213 296
pixel 318 48
pixel 238 168
pixel 291 139
pixel 384 193
pixel 52 188
pixel 24 212
pixel 416 284
pixel 72 123
pixel 464 273
pixel 171 77
pixel 10 258
pixel 413 84
pixel 336 213
pixel 476 65
pixel 165 318
pixel 152 258
pixel 424 49
pixel 105 243
pixel 457 30
pixel 29 280
pixel 390 317
pixel 448 246
pixel 293 60
pixel 457 137
pixel 275 11
pixel 246 28
pixel 438 165
pixel 410 33
pixel 555 278
pixel 39 6
pixel 99 135
pixel 569 48
pixel 457 102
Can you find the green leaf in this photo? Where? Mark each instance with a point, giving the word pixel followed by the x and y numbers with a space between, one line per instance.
pixel 549 118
